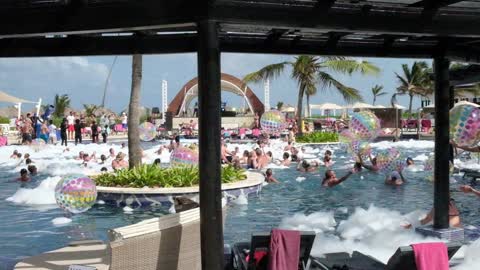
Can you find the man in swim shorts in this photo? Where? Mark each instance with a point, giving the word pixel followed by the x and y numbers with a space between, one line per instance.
pixel 71 127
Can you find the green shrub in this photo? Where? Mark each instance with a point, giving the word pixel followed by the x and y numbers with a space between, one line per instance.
pixel 4 120
pixel 155 176
pixel 318 137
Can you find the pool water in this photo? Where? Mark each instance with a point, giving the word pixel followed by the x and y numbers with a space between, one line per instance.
pixel 361 213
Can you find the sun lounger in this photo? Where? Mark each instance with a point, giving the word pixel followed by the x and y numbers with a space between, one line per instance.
pixel 168 242
pixel 261 241
pixel 402 259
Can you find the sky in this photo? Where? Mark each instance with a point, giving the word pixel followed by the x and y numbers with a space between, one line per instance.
pixel 84 78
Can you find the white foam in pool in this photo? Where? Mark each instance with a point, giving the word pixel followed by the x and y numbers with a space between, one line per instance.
pixel 61 221
pixel 300 179
pixel 43 194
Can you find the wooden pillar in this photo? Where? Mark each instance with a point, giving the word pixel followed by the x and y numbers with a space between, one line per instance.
pixel 209 101
pixel 442 181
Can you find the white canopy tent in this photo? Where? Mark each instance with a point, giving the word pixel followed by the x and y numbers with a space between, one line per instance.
pixel 360 105
pixel 380 106
pixel 325 106
pixel 4 97
pixel 400 107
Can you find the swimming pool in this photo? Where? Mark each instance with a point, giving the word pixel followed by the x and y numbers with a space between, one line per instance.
pixel 362 213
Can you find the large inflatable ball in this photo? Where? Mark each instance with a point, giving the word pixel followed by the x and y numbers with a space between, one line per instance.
pixel 273 121
pixel 429 167
pixel 389 160
pixel 147 131
pixel 465 125
pixel 76 194
pixel 38 144
pixel 364 126
pixel 362 149
pixel 183 156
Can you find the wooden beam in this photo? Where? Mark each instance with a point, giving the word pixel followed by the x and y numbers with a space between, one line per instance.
pixel 439 3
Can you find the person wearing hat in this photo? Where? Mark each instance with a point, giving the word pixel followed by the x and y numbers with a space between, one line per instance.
pixel 119 163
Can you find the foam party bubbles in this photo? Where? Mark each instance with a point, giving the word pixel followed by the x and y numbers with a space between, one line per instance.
pixel 389 160
pixel 273 121
pixel 184 156
pixel 360 148
pixel 147 131
pixel 364 125
pixel 75 193
pixel 465 125
pixel 38 144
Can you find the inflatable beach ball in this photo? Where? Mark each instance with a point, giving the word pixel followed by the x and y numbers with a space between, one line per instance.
pixel 364 126
pixel 429 167
pixel 390 160
pixel 360 148
pixel 183 156
pixel 273 121
pixel 76 194
pixel 38 144
pixel 465 125
pixel 147 131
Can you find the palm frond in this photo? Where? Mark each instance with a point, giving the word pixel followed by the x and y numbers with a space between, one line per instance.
pixel 348 66
pixel 349 94
pixel 268 72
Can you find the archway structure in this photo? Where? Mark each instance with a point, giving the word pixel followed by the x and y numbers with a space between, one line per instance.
pixel 228 83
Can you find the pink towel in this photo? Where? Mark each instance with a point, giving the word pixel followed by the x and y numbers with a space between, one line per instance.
pixel 284 250
pixel 431 256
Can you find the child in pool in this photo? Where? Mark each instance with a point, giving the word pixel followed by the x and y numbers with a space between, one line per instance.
pixel 269 177
pixel 327 159
pixel 23 176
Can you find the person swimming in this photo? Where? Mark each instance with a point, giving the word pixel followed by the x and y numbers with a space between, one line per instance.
pixel 157 162
pixel 453 216
pixel 306 166
pixel 14 154
pixel 373 167
pixel 395 179
pixel 331 180
pixel 32 169
pixel 286 159
pixel 269 177
pixel 23 176
pixel 410 162
pixel 327 160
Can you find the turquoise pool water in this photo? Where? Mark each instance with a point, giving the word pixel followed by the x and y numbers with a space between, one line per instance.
pixel 27 229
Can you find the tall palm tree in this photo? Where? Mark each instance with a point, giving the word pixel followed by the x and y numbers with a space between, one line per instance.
pixel 414 81
pixel 311 72
pixel 279 105
pixel 377 92
pixel 134 149
pixel 61 103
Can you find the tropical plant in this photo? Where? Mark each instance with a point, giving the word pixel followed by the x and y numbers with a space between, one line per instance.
pixel 414 81
pixel 155 176
pixel 279 105
pixel 4 120
pixel 311 72
pixel 61 103
pixel 134 149
pixel 377 92
pixel 90 109
pixel 318 137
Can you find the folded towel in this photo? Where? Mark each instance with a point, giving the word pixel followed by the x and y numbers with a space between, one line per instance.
pixel 431 256
pixel 284 250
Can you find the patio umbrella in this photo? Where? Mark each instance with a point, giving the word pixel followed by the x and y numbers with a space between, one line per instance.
pixel 326 106
pixel 4 97
pixel 380 106
pixel 361 105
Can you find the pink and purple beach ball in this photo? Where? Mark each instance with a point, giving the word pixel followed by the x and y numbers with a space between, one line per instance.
pixel 465 125
pixel 76 194
pixel 184 156
pixel 273 122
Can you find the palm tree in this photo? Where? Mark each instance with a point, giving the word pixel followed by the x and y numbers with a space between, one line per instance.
pixel 61 103
pixel 415 81
pixel 377 92
pixel 134 149
pixel 90 109
pixel 311 72
pixel 279 105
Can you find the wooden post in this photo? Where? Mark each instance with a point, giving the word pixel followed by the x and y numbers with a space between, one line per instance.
pixel 442 181
pixel 209 102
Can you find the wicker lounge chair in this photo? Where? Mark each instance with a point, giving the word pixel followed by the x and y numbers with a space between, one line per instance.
pixel 168 242
pixel 261 241
pixel 402 259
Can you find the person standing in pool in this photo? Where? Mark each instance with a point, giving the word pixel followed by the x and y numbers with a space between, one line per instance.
pixel 331 179
pixel 94 128
pixel 63 131
pixel 78 131
pixel 269 177
pixel 453 216
pixel 395 179
pixel 373 167
pixel 306 166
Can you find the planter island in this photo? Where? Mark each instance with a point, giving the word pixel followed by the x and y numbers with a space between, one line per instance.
pixel 145 197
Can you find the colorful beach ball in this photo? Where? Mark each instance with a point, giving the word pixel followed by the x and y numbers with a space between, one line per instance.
pixel 360 148
pixel 389 160
pixel 429 167
pixel 183 156
pixel 38 144
pixel 465 125
pixel 273 121
pixel 76 194
pixel 364 126
pixel 147 131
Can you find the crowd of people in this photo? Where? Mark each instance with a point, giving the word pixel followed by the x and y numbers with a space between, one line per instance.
pixel 73 127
